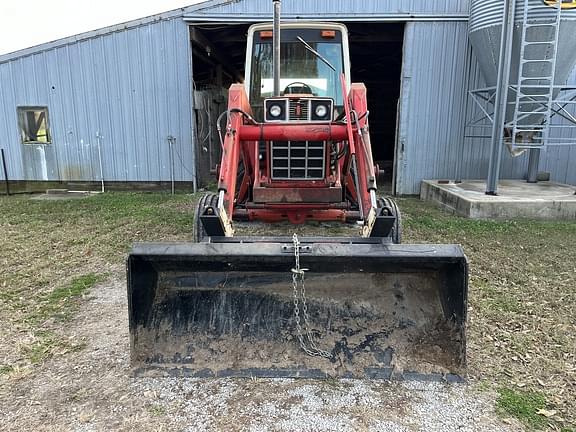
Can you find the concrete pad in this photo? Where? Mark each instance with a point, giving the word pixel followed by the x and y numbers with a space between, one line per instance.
pixel 66 195
pixel 56 191
pixel 515 199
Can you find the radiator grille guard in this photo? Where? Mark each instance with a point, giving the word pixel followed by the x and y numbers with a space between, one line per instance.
pixel 298 160
pixel 299 109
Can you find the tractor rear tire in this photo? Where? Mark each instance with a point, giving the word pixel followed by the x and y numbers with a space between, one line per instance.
pixel 396 232
pixel 207 200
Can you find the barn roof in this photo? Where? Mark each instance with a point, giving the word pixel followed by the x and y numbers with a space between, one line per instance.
pixel 230 11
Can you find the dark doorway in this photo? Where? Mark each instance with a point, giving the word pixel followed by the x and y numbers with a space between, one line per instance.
pixel 376 60
pixel 218 55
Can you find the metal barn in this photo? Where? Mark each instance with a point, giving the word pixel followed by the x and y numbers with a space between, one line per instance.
pixel 136 103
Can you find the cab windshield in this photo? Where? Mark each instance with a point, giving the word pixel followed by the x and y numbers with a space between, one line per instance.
pixel 297 65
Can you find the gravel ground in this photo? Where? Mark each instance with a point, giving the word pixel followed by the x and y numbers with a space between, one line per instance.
pixel 91 390
pixel 346 405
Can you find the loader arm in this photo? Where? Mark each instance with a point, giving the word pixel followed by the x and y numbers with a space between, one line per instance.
pixel 232 150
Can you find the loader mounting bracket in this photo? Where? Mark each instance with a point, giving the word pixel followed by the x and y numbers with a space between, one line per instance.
pixel 382 225
pixel 212 222
pixel 302 249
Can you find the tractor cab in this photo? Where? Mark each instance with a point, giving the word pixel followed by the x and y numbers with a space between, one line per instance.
pixel 313 57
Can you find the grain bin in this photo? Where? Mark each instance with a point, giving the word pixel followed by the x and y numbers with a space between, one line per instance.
pixel 535 54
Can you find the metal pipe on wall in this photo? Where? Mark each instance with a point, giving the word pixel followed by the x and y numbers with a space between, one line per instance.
pixel 171 140
pixel 501 97
pixel 99 139
pixel 5 172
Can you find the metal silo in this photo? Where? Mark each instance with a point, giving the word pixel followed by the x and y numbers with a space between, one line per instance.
pixel 485 30
pixel 543 55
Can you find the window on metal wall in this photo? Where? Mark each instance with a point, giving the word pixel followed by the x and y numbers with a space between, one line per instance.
pixel 33 124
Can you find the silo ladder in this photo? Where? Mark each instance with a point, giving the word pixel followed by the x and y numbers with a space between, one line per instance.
pixel 534 96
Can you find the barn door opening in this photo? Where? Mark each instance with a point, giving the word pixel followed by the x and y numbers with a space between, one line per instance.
pixel 218 54
pixel 376 59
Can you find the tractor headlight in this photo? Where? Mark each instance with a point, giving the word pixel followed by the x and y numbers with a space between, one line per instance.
pixel 275 111
pixel 321 111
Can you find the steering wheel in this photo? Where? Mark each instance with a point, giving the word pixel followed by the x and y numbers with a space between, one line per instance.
pixel 297 87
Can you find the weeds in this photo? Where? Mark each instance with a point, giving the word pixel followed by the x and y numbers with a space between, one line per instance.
pixel 42 348
pixel 61 303
pixel 55 251
pixel 6 369
pixel 157 410
pixel 46 344
pixel 522 302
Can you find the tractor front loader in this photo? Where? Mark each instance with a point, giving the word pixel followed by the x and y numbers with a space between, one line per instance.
pixel 296 147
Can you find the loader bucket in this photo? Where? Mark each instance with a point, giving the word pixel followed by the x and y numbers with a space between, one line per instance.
pixel 227 309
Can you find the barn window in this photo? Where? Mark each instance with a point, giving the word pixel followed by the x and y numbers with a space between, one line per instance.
pixel 33 123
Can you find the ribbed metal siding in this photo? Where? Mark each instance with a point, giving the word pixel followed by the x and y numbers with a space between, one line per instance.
pixel 132 86
pixel 430 102
pixel 560 161
pixel 476 151
pixel 431 112
pixel 344 8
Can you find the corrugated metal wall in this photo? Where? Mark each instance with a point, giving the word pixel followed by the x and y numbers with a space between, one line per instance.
pixel 133 87
pixel 347 9
pixel 432 114
pixel 430 100
pixel 560 161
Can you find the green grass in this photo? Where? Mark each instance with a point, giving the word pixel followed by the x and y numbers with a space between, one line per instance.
pixel 522 303
pixel 42 347
pixel 524 406
pixel 46 344
pixel 106 209
pixel 6 369
pixel 57 250
pixel 424 217
pixel 58 305
pixel 62 302
pixel 157 410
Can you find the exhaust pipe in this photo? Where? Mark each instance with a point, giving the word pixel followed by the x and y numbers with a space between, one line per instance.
pixel 276 45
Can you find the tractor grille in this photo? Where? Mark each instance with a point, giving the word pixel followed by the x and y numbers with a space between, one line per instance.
pixel 299 109
pixel 298 160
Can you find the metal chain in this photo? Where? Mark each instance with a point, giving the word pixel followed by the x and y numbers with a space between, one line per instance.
pixel 298 280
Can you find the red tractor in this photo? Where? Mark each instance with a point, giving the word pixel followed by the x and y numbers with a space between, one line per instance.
pixel 296 147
